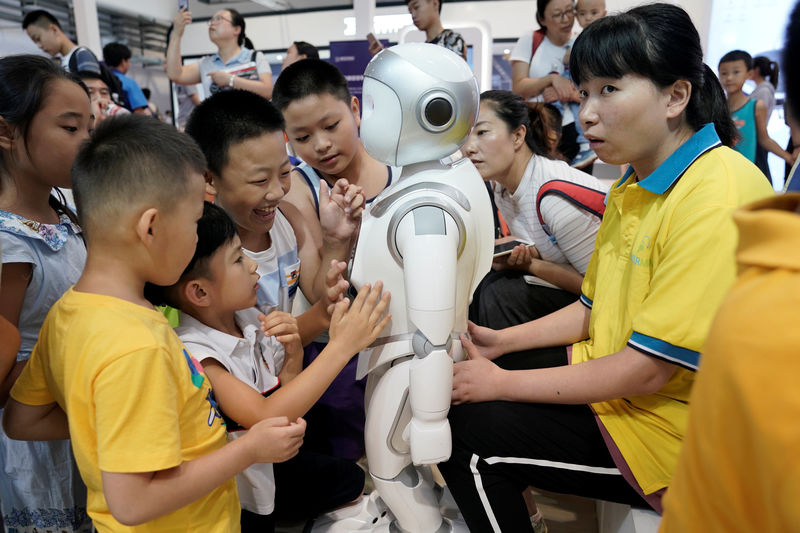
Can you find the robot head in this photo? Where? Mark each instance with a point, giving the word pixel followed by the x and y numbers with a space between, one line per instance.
pixel 420 102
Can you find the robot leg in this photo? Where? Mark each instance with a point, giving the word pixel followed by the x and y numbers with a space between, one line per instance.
pixel 410 496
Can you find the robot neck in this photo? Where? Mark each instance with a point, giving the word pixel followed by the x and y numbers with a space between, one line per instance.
pixel 416 168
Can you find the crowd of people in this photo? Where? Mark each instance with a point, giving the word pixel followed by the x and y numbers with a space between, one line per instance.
pixel 177 345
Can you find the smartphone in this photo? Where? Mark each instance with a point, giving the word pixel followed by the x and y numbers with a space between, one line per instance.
pixel 506 247
pixel 183 4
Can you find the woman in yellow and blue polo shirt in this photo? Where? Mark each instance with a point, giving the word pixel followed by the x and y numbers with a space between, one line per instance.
pixel 608 423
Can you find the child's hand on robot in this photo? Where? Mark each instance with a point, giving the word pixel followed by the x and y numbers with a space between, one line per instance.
pixel 340 210
pixel 335 285
pixel 283 327
pixel 355 328
pixel 476 379
pixel 275 440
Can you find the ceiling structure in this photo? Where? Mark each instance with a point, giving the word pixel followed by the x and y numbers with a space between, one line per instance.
pixel 207 8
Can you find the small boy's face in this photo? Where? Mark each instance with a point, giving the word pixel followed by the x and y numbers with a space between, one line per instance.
pixel 423 13
pixel 233 278
pixel 100 97
pixel 323 131
pixel 733 74
pixel 254 181
pixel 176 243
pixel 587 11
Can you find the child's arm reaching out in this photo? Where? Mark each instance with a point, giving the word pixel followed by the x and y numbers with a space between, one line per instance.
pixel 764 140
pixel 283 327
pixel 351 331
pixel 136 498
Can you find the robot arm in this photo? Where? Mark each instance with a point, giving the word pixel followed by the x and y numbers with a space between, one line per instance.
pixel 427 239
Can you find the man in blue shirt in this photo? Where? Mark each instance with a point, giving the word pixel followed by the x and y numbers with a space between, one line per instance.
pixel 118 58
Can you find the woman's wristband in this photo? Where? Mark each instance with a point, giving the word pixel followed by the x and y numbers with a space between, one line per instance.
pixel 230 81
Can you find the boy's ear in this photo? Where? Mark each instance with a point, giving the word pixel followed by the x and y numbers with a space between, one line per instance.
pixel 679 94
pixel 194 291
pixel 355 110
pixel 145 226
pixel 211 180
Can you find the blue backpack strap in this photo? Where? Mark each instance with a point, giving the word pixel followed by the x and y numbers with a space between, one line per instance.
pixel 585 198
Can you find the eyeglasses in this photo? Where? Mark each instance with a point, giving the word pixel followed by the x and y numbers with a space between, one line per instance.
pixel 562 15
pixel 218 18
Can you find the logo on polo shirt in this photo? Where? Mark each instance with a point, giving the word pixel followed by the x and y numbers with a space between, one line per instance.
pixel 636 259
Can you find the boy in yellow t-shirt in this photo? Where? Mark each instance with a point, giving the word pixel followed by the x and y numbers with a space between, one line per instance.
pixel 109 372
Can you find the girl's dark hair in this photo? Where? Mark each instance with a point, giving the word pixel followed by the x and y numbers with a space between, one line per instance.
pixel 545 119
pixel 511 109
pixel 214 229
pixel 237 20
pixel 25 82
pixel 738 55
pixel 541 5
pixel 767 68
pixel 660 43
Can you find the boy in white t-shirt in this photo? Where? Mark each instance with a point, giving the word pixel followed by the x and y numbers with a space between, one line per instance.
pixel 256 375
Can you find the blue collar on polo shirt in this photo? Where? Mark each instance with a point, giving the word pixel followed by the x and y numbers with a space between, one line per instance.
pixel 676 164
pixel 242 57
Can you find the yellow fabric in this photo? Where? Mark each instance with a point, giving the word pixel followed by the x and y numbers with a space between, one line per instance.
pixel 133 403
pixel 739 470
pixel 662 263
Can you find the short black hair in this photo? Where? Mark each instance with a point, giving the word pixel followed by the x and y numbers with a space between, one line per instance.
pixel 738 55
pixel 214 229
pixel 306 49
pixel 128 161
pixel 440 3
pixel 146 92
pixel 115 53
pixel 227 118
pixel 309 77
pixel 37 17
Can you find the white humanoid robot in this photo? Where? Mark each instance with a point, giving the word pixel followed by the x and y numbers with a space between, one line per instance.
pixel 429 237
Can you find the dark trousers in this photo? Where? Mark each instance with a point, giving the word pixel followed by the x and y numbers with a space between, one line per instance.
pixel 500 448
pixel 504 299
pixel 305 486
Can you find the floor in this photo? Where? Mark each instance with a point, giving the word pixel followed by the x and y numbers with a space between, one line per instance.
pixel 564 514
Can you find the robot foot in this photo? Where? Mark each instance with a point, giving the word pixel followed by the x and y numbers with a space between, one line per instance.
pixel 372 515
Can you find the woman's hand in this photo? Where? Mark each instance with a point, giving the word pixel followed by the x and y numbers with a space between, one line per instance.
pixel 487 341
pixel 519 259
pixel 477 379
pixel 564 88
pixel 182 19
pixel 221 78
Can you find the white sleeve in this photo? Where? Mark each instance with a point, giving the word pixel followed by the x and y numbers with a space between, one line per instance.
pixel 202 351
pixel 574 228
pixel 262 65
pixel 522 50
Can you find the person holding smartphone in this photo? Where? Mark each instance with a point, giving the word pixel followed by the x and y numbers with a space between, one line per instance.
pixel 508 147
pixel 235 65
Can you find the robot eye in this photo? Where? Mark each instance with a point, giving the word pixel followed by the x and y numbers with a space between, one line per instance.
pixel 438 112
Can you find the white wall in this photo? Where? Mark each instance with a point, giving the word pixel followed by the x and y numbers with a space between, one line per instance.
pixel 162 10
